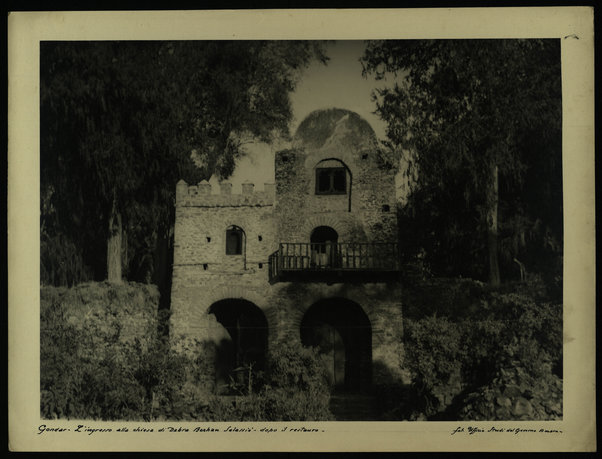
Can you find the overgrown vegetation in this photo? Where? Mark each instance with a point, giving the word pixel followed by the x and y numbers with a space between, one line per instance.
pixel 122 121
pixel 479 125
pixel 474 353
pixel 293 388
pixel 477 353
pixel 91 369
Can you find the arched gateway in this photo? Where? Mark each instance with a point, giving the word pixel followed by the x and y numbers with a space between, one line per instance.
pixel 248 331
pixel 341 331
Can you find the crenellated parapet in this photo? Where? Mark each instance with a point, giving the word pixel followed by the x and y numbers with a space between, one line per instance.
pixel 202 195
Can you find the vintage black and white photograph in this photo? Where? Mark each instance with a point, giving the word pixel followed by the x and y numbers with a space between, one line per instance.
pixel 297 230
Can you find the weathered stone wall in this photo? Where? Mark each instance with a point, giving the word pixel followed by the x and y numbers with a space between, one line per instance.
pixel 380 302
pixel 284 306
pixel 288 212
pixel 365 213
pixel 202 267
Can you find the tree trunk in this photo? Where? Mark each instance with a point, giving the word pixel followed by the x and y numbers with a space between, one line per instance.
pixel 114 246
pixel 162 271
pixel 492 227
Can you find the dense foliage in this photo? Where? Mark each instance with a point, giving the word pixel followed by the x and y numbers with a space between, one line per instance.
pixel 122 122
pixel 293 388
pixel 92 364
pixel 480 354
pixel 479 125
pixel 90 369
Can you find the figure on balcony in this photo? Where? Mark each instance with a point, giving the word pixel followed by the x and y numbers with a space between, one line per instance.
pixel 324 247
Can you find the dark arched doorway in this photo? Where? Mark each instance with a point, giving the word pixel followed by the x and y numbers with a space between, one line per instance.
pixel 324 247
pixel 248 329
pixel 341 331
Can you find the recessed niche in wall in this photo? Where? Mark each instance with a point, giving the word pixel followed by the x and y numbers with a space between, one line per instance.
pixel 386 208
pixel 365 156
pixel 259 238
pixel 260 265
pixel 208 239
pixel 205 266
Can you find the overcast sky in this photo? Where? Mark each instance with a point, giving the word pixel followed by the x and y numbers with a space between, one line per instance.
pixel 338 84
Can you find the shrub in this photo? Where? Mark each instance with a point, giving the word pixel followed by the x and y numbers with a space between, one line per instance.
pixel 293 388
pixel 296 386
pixel 79 386
pixel 516 394
pixel 129 382
pixel 463 358
pixel 433 350
pixel 93 363
pixel 296 367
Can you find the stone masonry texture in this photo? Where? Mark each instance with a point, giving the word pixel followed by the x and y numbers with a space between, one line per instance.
pixel 288 211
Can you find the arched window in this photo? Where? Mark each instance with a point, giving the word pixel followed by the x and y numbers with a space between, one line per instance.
pixel 235 240
pixel 331 177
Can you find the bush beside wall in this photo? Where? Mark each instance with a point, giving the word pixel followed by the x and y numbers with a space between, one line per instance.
pixel 294 387
pixel 104 356
pixel 109 312
pixel 93 338
pixel 473 353
pixel 476 353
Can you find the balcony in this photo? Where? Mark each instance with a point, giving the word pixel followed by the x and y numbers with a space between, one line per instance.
pixel 334 262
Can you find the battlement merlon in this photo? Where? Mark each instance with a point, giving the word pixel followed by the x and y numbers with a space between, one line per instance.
pixel 201 195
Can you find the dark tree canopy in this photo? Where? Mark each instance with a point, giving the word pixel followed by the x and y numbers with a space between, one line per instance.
pixel 480 124
pixel 122 122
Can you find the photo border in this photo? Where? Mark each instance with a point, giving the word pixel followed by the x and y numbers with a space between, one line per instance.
pixel 573 26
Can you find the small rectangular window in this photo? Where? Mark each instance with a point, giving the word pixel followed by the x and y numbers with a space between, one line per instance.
pixel 332 180
pixel 233 242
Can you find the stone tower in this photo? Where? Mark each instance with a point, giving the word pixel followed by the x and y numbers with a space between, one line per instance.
pixel 312 258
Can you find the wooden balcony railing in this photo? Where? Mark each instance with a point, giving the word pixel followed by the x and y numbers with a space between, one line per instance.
pixel 340 258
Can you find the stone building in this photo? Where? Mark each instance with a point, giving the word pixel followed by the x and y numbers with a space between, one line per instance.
pixel 312 258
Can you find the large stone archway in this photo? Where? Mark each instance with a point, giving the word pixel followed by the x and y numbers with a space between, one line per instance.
pixel 342 332
pixel 240 339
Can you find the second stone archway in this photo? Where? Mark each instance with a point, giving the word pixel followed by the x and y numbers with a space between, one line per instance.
pixel 342 332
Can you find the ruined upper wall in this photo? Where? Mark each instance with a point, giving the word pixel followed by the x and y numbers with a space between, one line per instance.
pixel 336 127
pixel 366 212
pixel 201 195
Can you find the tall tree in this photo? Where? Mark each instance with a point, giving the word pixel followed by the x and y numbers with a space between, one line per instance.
pixel 481 122
pixel 122 122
